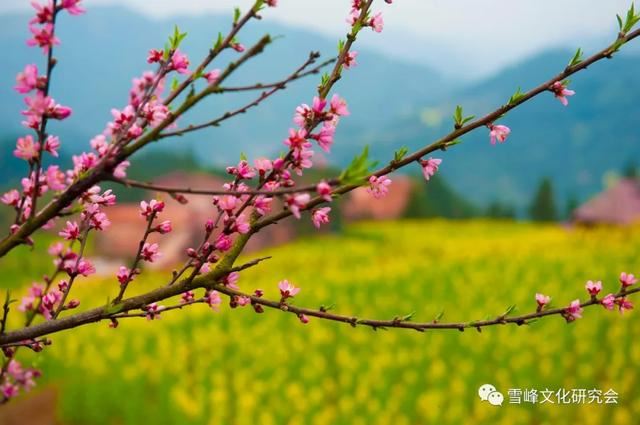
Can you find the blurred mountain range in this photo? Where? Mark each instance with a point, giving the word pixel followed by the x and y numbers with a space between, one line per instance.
pixel 392 102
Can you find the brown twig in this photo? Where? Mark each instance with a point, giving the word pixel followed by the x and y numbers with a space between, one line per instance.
pixel 190 191
pixel 275 87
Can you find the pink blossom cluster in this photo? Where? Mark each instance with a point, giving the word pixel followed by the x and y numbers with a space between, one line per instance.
pixel 375 22
pixel 17 378
pixel 610 301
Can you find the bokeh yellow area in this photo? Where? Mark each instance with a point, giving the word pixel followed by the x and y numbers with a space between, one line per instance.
pixel 195 366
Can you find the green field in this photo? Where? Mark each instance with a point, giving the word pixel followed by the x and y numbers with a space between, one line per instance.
pixel 237 367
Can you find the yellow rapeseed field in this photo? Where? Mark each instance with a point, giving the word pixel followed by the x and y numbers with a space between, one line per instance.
pixel 237 367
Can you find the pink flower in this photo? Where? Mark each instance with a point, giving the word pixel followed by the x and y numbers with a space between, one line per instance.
pixel 376 22
pixel 297 139
pixel 43 37
pixel 55 249
pixel 155 113
pixel 303 319
pixel 561 92
pixel 187 297
pixel 27 148
pixel 272 3
pixel 287 290
pixel 28 80
pixel 228 203
pixel 296 202
pixel 499 133
pixel 301 159
pixel 122 118
pixel 11 198
pixel 212 76
pixel 624 304
pixel 317 106
pixel 59 112
pixel 320 216
pixel 223 243
pixel 542 300
pixel 261 204
pixel 51 145
pixel 353 16
pixel 627 279
pixel 238 47
pixel 164 227
pixel 123 275
pixel 339 106
pixel 325 136
pixel 71 231
pixel 593 288
pixel 72 304
pixel 609 301
pixel 231 280
pixel 305 113
pixel 107 198
pixel 573 312
pixel 378 186
pixel 85 268
pixel 72 7
pixel 242 225
pixel 120 171
pixel 180 62
pixel 153 311
pixel 154 56
pixel 151 207
pixel 350 60
pixel 150 252
pixel 241 300
pixel 44 13
pixel 9 390
pixel 263 165
pixel 55 178
pixel 430 167
pixel 242 171
pixel 97 219
pixel 324 190
pixel 212 298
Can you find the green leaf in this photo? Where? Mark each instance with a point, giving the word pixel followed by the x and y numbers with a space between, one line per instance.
pixel 259 6
pixel 577 58
pixel 325 78
pixel 218 43
pixel 176 38
pixel 340 45
pixel 174 84
pixel 400 153
pixel 457 116
pixel 198 74
pixel 358 169
pixel 509 310
pixel 439 316
pixel 516 96
pixel 619 22
pixel 243 156
pixel 113 309
pixel 236 15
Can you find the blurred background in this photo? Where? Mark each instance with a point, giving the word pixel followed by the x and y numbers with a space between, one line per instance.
pixel 552 207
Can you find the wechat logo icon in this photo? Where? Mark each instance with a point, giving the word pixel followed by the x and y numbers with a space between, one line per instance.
pixel 488 392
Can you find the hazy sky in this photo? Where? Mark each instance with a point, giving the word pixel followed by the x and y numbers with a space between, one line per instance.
pixel 484 34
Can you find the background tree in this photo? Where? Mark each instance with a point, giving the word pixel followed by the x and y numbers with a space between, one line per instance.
pixel 543 205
